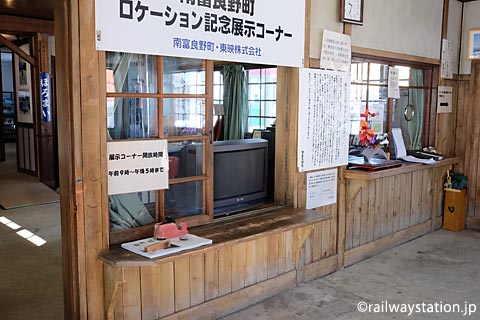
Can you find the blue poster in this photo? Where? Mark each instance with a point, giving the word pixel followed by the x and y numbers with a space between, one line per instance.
pixel 45 96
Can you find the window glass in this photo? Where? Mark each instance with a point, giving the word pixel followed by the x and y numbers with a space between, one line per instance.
pixel 183 76
pixel 184 199
pixel 262 96
pixel 132 118
pixel 369 91
pixel 184 117
pixel 132 73
pixel 131 210
pixel 359 71
pixel 185 159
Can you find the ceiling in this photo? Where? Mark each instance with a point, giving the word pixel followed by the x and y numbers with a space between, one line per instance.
pixel 37 9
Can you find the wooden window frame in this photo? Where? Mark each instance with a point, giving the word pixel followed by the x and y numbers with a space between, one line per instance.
pixel 116 237
pixel 430 74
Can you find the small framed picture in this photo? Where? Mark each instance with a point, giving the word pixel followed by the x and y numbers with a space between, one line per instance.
pixel 474 44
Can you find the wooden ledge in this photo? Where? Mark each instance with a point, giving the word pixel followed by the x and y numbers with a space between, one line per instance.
pixel 225 233
pixel 358 174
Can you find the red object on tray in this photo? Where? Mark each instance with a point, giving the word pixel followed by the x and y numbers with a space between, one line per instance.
pixel 170 230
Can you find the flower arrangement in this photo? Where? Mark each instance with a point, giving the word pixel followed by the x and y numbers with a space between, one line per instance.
pixel 367 135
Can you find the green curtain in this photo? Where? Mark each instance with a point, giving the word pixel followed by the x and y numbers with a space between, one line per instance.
pixel 417 99
pixel 235 102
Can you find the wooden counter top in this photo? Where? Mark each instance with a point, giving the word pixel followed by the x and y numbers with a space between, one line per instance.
pixel 359 174
pixel 225 232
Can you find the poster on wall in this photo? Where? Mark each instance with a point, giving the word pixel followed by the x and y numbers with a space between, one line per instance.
pixel 24 91
pixel 447 59
pixel 264 32
pixel 336 52
pixel 393 82
pixel 321 188
pixel 323 119
pixel 444 99
pixel 135 166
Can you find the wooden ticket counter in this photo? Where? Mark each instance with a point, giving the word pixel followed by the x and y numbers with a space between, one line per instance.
pixel 390 207
pixel 251 259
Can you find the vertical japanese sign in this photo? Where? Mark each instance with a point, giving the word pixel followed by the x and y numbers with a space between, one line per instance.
pixel 135 166
pixel 336 53
pixel 254 31
pixel 323 119
pixel 444 99
pixel 45 96
pixel 321 188
pixel 447 59
pixel 393 83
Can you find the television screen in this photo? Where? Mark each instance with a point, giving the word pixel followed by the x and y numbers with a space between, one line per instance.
pixel 240 174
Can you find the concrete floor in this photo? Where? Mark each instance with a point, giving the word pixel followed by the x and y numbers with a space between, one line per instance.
pixel 30 276
pixel 440 267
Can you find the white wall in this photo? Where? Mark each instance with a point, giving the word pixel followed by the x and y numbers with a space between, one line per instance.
pixel 471 20
pixel 454 30
pixel 325 14
pixel 402 26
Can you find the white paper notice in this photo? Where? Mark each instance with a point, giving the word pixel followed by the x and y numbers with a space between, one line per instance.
pixel 393 83
pixel 135 166
pixel 447 59
pixel 323 120
pixel 321 188
pixel 444 99
pixel 336 53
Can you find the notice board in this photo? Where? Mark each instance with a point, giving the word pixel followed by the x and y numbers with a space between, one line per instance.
pixel 135 166
pixel 323 119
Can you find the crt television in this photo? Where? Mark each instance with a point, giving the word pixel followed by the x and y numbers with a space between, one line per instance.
pixel 240 174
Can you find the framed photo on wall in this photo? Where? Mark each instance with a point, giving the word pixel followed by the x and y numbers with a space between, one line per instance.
pixel 474 44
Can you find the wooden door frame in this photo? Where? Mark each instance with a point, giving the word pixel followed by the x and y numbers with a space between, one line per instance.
pixel 82 147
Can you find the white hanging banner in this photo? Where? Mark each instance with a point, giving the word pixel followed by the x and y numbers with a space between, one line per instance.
pixel 336 53
pixel 135 166
pixel 323 119
pixel 255 31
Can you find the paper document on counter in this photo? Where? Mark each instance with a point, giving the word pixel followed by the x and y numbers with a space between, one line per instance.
pixel 178 245
pixel 401 152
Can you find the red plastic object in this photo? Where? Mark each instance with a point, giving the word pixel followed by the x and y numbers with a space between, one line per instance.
pixel 174 166
pixel 170 230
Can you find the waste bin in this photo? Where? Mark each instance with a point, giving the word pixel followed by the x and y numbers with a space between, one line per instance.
pixel 454 210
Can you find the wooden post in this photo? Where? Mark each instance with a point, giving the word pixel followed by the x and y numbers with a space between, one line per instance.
pixel 81 127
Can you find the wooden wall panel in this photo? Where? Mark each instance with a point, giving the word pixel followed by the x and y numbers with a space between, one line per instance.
pixel 467 139
pixel 211 275
pixel 192 280
pixel 383 206
pixel 149 292
pixel 166 289
pixel 132 306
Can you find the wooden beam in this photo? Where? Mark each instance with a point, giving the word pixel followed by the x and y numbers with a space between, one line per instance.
pixel 9 44
pixel 393 56
pixel 308 18
pixel 14 24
